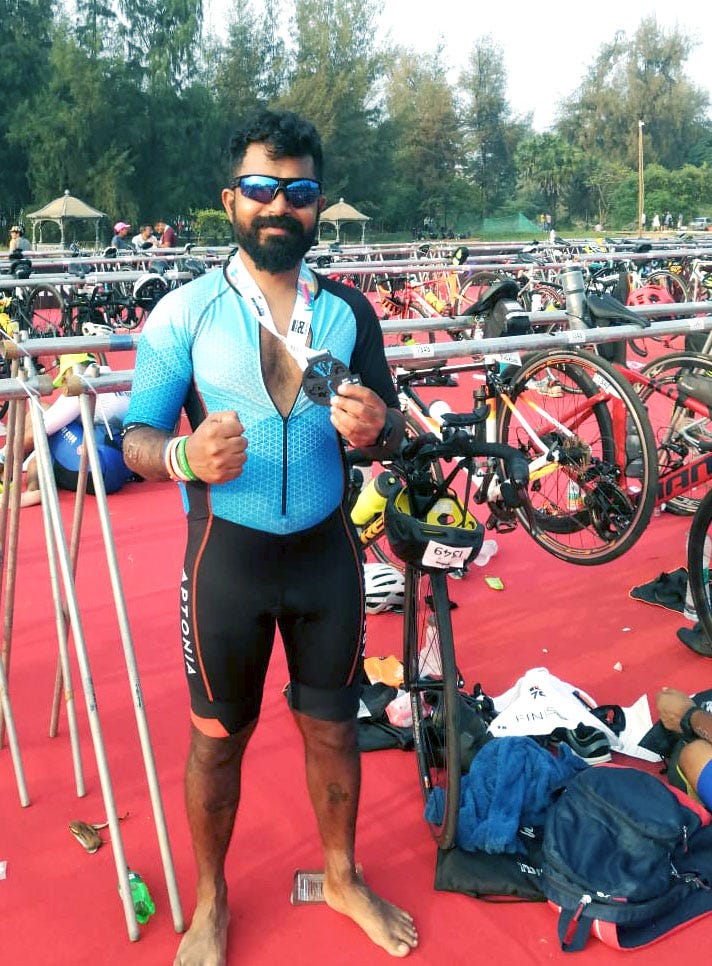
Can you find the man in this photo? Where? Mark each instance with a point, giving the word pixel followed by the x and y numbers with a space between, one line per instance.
pixel 166 236
pixel 145 238
pixel 269 542
pixel 18 242
pixel 120 241
pixel 681 715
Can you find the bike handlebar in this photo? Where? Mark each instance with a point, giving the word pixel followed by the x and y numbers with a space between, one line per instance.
pixel 460 444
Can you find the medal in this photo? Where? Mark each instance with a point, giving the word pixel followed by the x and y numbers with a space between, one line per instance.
pixel 322 377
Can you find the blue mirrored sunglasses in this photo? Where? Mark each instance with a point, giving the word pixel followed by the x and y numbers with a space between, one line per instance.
pixel 300 192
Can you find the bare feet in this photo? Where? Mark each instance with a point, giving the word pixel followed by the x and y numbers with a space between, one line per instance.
pixel 385 924
pixel 205 943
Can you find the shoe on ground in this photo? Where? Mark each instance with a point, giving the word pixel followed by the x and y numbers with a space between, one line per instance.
pixel 586 742
pixel 696 640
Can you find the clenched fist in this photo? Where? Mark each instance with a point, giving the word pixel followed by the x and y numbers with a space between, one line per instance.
pixel 216 451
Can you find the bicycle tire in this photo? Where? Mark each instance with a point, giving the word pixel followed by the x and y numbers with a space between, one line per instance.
pixel 593 502
pixel 672 283
pixel 428 645
pixel 698 563
pixel 473 286
pixel 680 434
pixel 45 314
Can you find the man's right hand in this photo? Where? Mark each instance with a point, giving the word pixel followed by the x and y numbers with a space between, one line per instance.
pixel 216 451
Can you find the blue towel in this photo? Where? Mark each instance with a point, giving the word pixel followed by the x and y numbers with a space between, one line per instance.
pixel 511 783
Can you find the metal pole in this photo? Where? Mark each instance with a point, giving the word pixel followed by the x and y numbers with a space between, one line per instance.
pixel 50 494
pixel 641 188
pixel 90 449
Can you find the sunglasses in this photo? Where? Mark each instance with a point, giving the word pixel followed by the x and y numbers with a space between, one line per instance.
pixel 299 192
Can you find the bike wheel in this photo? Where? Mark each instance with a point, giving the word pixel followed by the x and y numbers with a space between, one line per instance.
pixel 593 468
pixel 473 287
pixel 431 678
pixel 698 563
pixel 45 315
pixel 672 283
pixel 681 434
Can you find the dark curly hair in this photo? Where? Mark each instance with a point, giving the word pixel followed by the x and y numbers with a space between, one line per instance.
pixel 285 135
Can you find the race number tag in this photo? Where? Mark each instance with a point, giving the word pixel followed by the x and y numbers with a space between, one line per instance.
pixel 443 557
pixel 506 358
pixel 575 335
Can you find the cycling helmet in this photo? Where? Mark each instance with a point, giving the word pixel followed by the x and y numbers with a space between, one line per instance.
pixel 148 289
pixel 385 588
pixel 447 524
pixel 649 295
pixel 21 268
pixel 68 361
pixel 196 266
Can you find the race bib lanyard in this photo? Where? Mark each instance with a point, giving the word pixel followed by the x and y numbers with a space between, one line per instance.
pixel 321 372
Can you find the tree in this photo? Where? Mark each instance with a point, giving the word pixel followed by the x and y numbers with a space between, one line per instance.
pixel 332 83
pixel 547 163
pixel 424 143
pixel 251 67
pixel 25 43
pixel 490 136
pixel 161 38
pixel 641 78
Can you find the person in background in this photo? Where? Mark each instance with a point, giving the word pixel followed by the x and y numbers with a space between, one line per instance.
pixel 145 238
pixel 167 237
pixel 120 241
pixel 679 714
pixel 269 545
pixel 65 432
pixel 18 242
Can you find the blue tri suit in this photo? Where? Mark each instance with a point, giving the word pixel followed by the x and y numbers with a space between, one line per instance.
pixel 273 547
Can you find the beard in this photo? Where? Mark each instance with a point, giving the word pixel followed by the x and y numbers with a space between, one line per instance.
pixel 276 253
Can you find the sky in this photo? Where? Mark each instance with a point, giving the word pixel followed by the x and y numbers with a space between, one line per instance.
pixel 548 46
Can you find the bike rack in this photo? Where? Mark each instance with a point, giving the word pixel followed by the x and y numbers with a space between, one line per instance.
pixel 63 563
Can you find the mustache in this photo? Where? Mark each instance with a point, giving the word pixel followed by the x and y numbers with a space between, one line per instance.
pixel 286 222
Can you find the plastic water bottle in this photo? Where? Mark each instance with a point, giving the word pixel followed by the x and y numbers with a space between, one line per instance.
pixel 574 500
pixel 488 549
pixel 690 611
pixel 142 902
pixel 372 498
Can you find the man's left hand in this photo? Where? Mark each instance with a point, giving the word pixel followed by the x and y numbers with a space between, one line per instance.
pixel 672 704
pixel 358 414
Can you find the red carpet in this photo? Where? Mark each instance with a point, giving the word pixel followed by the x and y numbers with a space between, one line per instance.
pixel 59 905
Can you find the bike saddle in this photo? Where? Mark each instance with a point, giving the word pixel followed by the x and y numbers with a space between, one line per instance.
pixel 506 289
pixel 608 309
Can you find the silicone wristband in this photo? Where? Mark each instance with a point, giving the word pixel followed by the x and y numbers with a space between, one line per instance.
pixel 167 458
pixel 182 459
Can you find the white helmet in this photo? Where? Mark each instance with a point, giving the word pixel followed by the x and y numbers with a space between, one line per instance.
pixel 148 289
pixel 385 588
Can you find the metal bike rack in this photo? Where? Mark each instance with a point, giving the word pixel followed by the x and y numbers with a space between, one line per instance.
pixel 63 563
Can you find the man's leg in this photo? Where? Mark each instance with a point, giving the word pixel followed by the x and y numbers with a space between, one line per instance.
pixel 333 773
pixel 212 793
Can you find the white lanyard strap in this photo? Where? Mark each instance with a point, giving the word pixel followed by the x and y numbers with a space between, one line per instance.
pixel 300 324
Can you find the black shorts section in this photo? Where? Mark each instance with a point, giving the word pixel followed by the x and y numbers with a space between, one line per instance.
pixel 241 585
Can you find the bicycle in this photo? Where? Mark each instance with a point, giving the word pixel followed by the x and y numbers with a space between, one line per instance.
pixel 698 566
pixel 431 531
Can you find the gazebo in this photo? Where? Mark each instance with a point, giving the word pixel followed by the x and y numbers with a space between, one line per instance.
pixel 61 211
pixel 340 213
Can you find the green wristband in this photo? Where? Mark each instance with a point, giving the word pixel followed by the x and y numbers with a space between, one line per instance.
pixel 182 459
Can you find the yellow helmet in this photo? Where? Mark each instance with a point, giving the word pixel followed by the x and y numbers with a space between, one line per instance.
pixel 67 363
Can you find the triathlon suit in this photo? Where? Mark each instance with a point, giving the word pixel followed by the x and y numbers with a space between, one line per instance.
pixel 274 547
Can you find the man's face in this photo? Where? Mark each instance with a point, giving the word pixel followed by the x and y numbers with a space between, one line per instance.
pixel 275 236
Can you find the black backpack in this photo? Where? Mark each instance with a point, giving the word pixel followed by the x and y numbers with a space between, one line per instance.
pixel 626 856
